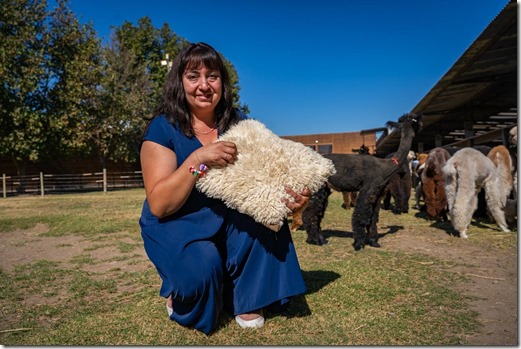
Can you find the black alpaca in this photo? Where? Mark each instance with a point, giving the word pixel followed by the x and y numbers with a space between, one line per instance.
pixel 399 187
pixel 366 174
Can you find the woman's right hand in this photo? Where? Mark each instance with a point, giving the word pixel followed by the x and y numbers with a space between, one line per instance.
pixel 217 154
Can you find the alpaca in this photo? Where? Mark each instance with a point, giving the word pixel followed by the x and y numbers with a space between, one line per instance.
pixel 366 174
pixel 399 186
pixel 349 199
pixel 464 174
pixel 512 135
pixel 500 156
pixel 296 220
pixel 417 172
pixel 503 162
pixel 432 184
pixel 482 211
pixel 512 146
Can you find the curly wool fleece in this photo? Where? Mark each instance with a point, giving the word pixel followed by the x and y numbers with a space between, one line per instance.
pixel 254 183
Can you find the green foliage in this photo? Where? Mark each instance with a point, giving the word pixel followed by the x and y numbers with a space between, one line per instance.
pixel 23 38
pixel 63 93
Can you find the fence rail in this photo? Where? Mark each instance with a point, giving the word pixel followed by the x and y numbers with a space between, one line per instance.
pixel 48 183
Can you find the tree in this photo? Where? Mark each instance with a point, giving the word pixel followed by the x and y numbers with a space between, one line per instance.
pixel 151 45
pixel 51 72
pixel 124 101
pixel 63 94
pixel 23 38
pixel 74 78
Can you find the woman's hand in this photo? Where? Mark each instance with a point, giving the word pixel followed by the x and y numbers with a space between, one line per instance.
pixel 217 154
pixel 300 200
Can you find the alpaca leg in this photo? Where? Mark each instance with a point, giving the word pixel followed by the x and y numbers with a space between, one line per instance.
pixel 494 203
pixel 387 199
pixel 296 221
pixel 363 215
pixel 450 186
pixel 465 203
pixel 400 196
pixel 313 214
pixel 407 187
pixel 359 228
pixel 417 195
pixel 354 196
pixel 347 200
pixel 373 230
pixel 359 221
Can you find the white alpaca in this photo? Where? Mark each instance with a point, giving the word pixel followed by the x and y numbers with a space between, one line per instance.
pixel 464 174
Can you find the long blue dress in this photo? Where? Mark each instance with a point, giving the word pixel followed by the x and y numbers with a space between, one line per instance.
pixel 209 256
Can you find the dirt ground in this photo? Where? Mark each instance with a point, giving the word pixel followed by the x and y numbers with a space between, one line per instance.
pixel 494 280
pixel 494 276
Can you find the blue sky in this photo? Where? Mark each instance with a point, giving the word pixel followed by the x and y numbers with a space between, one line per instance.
pixel 325 66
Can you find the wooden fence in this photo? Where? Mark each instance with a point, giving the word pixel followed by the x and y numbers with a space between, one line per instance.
pixel 44 183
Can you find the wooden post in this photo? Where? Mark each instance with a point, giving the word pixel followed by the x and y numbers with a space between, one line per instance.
pixel 41 183
pixel 105 181
pixel 4 185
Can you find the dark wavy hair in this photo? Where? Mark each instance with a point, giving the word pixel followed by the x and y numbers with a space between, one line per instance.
pixel 172 103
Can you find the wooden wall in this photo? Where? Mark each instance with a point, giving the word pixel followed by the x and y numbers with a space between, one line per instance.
pixel 340 143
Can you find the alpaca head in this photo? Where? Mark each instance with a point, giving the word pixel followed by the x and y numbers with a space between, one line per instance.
pixel 414 120
pixel 512 138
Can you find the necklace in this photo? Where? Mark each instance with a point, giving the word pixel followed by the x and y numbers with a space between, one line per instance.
pixel 204 133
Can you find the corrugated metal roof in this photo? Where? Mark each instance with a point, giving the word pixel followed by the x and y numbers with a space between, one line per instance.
pixel 475 102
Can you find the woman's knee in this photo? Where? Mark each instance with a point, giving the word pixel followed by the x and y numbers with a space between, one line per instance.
pixel 200 273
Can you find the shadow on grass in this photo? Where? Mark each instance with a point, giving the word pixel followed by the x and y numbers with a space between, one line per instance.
pixel 393 229
pixel 446 226
pixel 315 280
pixel 297 306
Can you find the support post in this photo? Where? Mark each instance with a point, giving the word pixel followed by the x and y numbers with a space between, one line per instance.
pixel 105 181
pixel 41 183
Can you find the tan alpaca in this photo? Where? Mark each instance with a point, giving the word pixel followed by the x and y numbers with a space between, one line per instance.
pixel 464 174
pixel 501 158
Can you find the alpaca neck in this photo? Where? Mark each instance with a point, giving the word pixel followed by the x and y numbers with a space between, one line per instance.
pixel 405 144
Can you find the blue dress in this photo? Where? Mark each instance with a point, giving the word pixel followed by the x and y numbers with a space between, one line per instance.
pixel 210 257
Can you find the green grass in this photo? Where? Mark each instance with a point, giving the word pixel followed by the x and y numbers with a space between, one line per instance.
pixel 107 293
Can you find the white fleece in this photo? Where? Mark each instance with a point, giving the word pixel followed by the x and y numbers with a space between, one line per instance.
pixel 254 183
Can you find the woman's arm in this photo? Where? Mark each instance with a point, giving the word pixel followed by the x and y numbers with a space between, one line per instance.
pixel 167 187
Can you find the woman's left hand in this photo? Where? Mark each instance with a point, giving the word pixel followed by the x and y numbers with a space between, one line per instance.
pixel 300 200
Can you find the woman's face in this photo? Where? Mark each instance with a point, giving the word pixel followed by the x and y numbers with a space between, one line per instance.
pixel 203 88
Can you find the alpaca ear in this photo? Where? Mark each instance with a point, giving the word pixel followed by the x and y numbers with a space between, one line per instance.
pixel 392 125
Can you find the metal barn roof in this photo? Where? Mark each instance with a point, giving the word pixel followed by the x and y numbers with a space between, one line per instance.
pixel 475 102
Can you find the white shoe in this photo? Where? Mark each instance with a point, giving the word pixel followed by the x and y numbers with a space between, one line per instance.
pixel 169 310
pixel 255 323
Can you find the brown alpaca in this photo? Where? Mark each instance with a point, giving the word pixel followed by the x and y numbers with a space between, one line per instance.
pixel 296 220
pixel 349 199
pixel 432 184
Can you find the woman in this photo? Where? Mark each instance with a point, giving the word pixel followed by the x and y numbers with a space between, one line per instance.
pixel 208 256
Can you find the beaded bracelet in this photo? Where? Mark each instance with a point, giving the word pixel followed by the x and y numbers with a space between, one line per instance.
pixel 200 172
pixel 202 167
